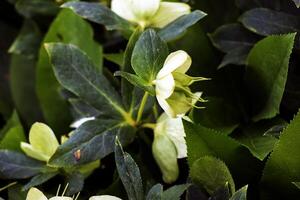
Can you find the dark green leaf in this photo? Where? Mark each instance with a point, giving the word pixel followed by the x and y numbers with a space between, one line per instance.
pixel 28 41
pixel 149 55
pixel 137 81
pixel 241 194
pixel 180 25
pixel 237 56
pixel 116 58
pixel 39 179
pixel 91 141
pixel 253 137
pixel 15 193
pixel 283 165
pixel 222 193
pixel 77 73
pixel 175 192
pixel 99 13
pixel 155 193
pixel 266 22
pixel 76 182
pixel 67 28
pixel 129 173
pixel 266 74
pixel 31 8
pixel 15 165
pixel 82 109
pixel 211 173
pixel 12 134
pixel 232 36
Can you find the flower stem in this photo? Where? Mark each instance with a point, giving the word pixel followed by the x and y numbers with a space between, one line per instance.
pixel 142 106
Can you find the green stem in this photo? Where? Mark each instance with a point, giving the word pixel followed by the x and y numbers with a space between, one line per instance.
pixel 142 106
pixel 8 186
pixel 149 125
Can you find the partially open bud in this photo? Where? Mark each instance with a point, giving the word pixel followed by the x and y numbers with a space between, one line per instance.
pixel 165 154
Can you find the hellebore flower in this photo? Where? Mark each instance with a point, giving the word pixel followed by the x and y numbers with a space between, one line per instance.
pixel 147 13
pixel 36 194
pixel 172 85
pixel 42 142
pixel 168 145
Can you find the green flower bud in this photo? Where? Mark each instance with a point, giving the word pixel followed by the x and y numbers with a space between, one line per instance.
pixel 165 154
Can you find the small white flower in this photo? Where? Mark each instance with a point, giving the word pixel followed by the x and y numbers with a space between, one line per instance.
pixel 171 85
pixel 152 13
pixel 104 197
pixel 42 142
pixel 35 194
pixel 173 128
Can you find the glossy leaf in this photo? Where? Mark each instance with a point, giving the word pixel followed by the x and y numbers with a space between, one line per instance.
pixel 129 173
pixel 266 74
pixel 149 55
pixel 180 25
pixel 99 13
pixel 91 141
pixel 283 164
pixel 67 28
pixel 15 165
pixel 266 22
pixel 155 193
pixel 175 192
pixel 78 74
pixel 211 173
pixel 31 8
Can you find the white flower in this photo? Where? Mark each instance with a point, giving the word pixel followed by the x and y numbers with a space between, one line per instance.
pixel 173 128
pixel 104 197
pixel 171 85
pixel 43 142
pixel 152 13
pixel 35 194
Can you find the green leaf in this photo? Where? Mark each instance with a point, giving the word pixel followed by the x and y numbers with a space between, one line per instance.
pixel 266 74
pixel 91 141
pixel 241 194
pixel 137 81
pixel 22 72
pixel 297 2
pixel 116 58
pixel 39 179
pixel 149 55
pixel 101 14
pixel 253 137
pixel 76 182
pixel 28 41
pixel 180 25
pixel 175 192
pixel 77 73
pixel 232 36
pixel 15 193
pixel 155 193
pixel 236 56
pixel 283 165
pixel 66 28
pixel 12 134
pixel 129 173
pixel 211 173
pixel 15 165
pixel 266 22
pixel 31 8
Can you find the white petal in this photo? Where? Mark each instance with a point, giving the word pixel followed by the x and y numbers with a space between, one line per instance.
pixel 35 194
pixel 165 87
pixel 104 197
pixel 165 106
pixel 30 151
pixel 60 198
pixel 42 138
pixel 144 9
pixel 122 8
pixel 178 61
pixel 169 12
pixel 175 130
pixel 81 121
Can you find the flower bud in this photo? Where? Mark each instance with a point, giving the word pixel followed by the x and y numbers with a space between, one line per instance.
pixel 165 154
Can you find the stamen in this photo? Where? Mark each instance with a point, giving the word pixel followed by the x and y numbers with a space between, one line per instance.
pixel 77 196
pixel 65 190
pixel 58 189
